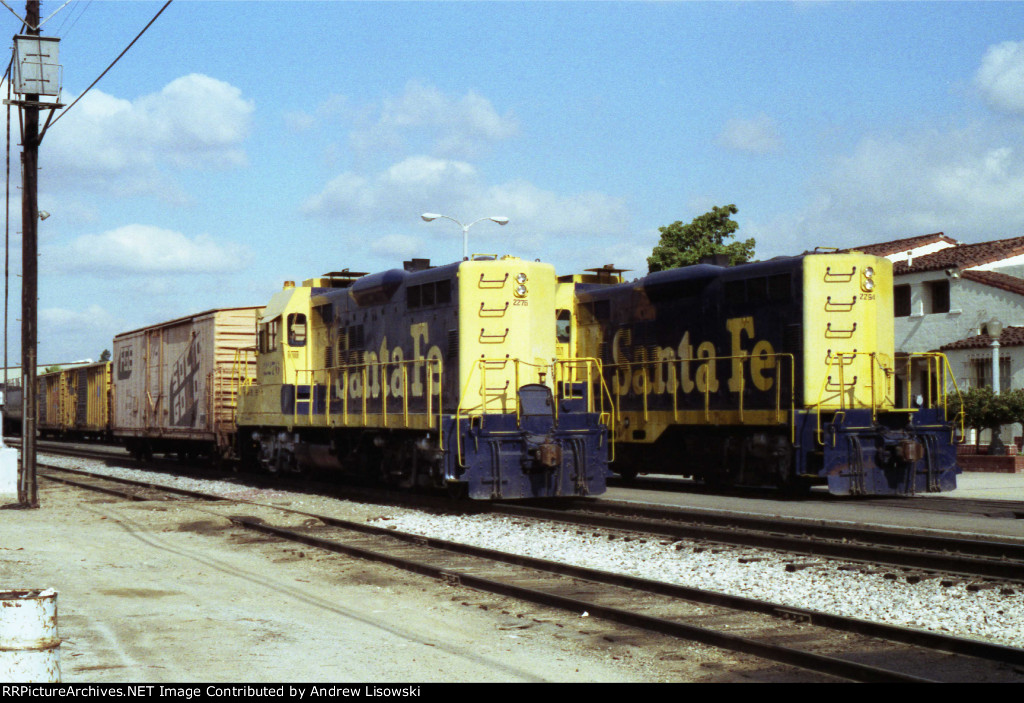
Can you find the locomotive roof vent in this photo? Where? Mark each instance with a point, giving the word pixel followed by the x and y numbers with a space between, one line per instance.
pixel 608 273
pixel 339 279
pixel 416 265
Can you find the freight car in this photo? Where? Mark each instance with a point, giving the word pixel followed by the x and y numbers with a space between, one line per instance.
pixel 432 377
pixel 74 403
pixel 777 373
pixel 175 384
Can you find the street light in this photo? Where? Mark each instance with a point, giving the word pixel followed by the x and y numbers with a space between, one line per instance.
pixel 431 216
pixel 995 330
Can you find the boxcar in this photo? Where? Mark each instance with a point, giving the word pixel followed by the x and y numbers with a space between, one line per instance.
pixel 75 402
pixel 175 383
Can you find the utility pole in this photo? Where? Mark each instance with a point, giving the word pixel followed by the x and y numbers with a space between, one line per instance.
pixel 35 74
pixel 27 493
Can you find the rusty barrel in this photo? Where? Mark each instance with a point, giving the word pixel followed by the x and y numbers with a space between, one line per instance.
pixel 29 644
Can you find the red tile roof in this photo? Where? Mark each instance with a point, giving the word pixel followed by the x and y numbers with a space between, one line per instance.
pixel 996 280
pixel 963 256
pixel 902 245
pixel 1010 337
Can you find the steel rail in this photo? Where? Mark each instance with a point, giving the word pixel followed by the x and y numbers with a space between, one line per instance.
pixel 786 655
pixel 858 672
pixel 955 556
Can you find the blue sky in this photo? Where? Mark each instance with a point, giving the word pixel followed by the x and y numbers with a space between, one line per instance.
pixel 242 144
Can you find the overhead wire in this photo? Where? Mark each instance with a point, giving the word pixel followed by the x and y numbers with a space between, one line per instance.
pixel 81 8
pixel 65 111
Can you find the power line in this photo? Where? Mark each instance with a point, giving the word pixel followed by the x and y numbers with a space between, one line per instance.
pixel 108 67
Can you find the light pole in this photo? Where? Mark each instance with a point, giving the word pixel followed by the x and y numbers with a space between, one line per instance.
pixel 431 216
pixel 995 330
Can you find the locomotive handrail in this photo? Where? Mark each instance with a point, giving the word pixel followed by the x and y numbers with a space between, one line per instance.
pixel 492 283
pixel 492 338
pixel 943 378
pixel 675 371
pixel 566 374
pixel 345 372
pixel 839 307
pixel 839 334
pixel 480 410
pixel 830 277
pixel 493 312
pixel 936 365
pixel 839 390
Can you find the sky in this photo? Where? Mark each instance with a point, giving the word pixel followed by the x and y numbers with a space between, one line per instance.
pixel 241 144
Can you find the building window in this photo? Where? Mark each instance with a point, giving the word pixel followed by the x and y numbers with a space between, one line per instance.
pixel 939 294
pixel 901 300
pixel 981 373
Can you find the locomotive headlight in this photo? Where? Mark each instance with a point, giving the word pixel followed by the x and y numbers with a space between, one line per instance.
pixel 521 278
pixel 520 291
pixel 867 281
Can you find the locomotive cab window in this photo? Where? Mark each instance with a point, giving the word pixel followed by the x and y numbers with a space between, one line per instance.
pixel 268 334
pixel 563 326
pixel 297 330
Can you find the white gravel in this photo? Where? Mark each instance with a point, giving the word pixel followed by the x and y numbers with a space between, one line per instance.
pixel 823 585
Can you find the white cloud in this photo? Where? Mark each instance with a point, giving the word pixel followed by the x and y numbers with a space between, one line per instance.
pixel 123 147
pixel 422 183
pixel 968 183
pixel 423 118
pixel 143 249
pixel 1001 77
pixel 757 135
pixel 83 333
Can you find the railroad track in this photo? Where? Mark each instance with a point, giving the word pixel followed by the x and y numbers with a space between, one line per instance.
pixel 831 645
pixel 1000 509
pixel 926 554
pixel 905 549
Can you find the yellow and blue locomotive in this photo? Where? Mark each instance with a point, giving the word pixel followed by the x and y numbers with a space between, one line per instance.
pixel 425 376
pixel 777 373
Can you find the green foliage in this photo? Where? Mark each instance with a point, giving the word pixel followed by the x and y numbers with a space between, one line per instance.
pixel 105 356
pixel 685 245
pixel 984 410
pixel 52 369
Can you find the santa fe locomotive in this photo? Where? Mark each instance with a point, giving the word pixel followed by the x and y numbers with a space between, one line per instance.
pixel 424 376
pixel 777 373
pixel 443 377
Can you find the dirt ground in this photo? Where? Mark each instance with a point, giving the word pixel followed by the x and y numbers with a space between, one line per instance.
pixel 158 592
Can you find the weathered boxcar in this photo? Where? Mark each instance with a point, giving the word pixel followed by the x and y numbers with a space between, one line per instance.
pixel 424 377
pixel 75 402
pixel 175 383
pixel 773 373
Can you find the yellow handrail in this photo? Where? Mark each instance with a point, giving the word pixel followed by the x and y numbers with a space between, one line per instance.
pixel 675 371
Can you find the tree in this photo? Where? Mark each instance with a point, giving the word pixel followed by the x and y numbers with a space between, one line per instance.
pixel 685 245
pixel 985 410
pixel 105 356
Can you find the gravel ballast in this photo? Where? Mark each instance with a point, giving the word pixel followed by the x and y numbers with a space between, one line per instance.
pixel 947 606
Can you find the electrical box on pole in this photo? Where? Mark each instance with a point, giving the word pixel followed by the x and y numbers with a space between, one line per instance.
pixel 36 67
